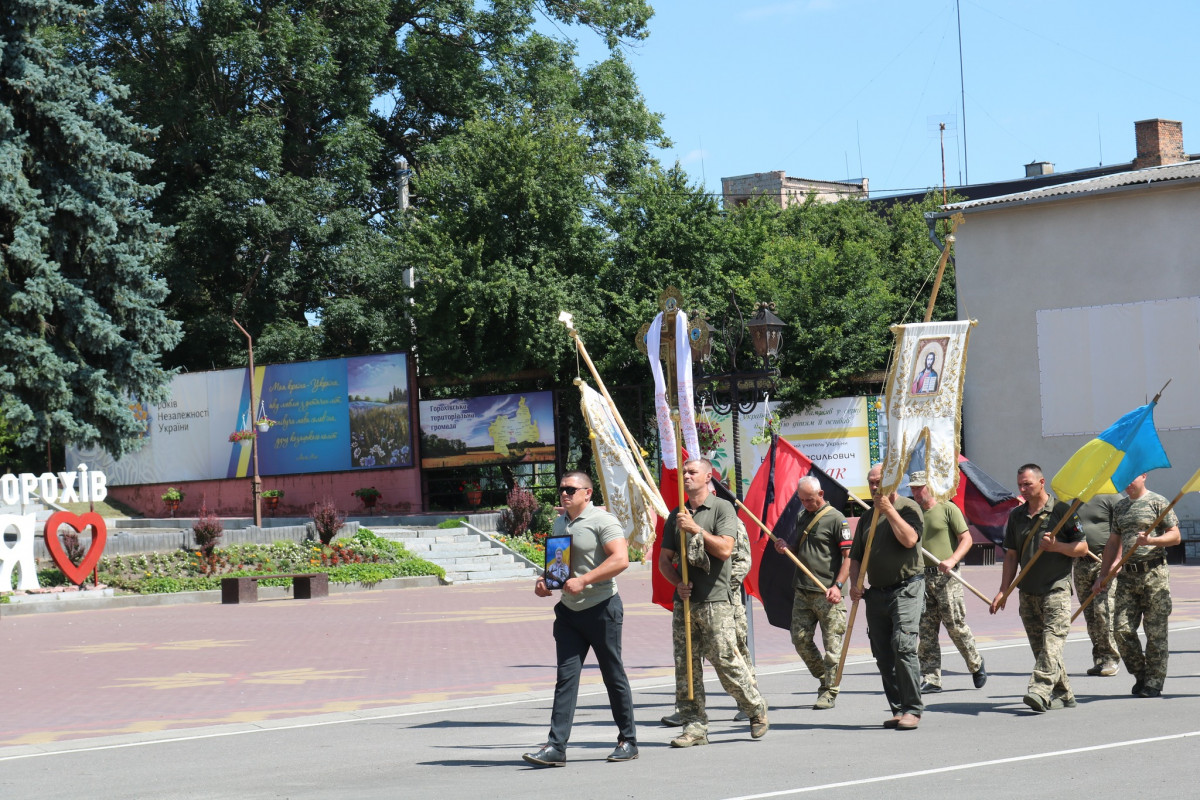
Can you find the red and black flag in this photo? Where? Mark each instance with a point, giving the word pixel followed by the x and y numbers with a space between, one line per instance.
pixel 983 500
pixel 772 496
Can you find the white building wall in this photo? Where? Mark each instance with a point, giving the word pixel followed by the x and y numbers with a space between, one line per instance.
pixel 1121 247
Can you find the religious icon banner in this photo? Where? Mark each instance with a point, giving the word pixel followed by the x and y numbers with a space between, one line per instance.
pixel 923 401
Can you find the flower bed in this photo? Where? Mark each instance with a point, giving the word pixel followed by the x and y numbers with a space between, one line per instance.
pixel 363 558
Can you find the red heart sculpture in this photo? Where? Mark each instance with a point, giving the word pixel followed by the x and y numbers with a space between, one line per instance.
pixel 76 574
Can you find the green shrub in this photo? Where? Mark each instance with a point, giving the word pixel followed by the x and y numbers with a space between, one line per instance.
pixel 452 523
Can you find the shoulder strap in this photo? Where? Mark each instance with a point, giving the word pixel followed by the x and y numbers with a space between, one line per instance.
pixel 811 524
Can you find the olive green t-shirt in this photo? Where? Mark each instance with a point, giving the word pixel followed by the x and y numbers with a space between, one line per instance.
pixel 718 518
pixel 890 562
pixel 821 549
pixel 1131 516
pixel 589 532
pixel 1096 517
pixel 944 523
pixel 1053 570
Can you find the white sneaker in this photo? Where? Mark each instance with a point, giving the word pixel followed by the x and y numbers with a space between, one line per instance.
pixel 1109 670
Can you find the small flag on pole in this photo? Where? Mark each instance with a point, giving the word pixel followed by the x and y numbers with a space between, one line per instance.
pixel 1108 463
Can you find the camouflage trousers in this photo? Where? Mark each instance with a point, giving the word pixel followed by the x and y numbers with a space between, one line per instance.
pixel 944 606
pixel 1146 600
pixel 1047 621
pixel 743 638
pixel 1099 612
pixel 714 637
pixel 808 610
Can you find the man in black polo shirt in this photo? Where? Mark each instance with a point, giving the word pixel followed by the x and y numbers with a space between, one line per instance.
pixel 895 598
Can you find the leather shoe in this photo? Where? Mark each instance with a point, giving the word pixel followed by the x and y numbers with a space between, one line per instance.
pixel 741 716
pixel 626 751
pixel 548 756
pixel 1150 691
pixel 891 724
pixel 980 678
pixel 1095 669
pixel 929 688
pixel 908 722
pixel 673 720
pixel 1138 686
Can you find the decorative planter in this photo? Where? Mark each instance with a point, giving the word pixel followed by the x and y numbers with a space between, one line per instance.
pixel 474 498
pixel 369 502
pixel 272 504
pixel 245 442
pixel 172 506
pixel 263 427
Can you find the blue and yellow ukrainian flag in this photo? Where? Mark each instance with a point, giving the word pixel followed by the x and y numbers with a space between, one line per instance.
pixel 1107 464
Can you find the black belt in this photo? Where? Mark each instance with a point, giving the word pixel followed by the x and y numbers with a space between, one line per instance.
pixel 934 571
pixel 920 576
pixel 1142 567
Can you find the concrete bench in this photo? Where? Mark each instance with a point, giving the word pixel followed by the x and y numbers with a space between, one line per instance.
pixel 305 586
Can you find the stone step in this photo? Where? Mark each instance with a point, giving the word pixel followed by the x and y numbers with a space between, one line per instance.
pixel 480 576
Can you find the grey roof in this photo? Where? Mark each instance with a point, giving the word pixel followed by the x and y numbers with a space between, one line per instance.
pixel 1188 170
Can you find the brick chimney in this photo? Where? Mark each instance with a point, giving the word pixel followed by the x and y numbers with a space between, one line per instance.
pixel 1159 141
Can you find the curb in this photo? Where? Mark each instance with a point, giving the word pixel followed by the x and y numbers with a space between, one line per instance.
pixel 104 599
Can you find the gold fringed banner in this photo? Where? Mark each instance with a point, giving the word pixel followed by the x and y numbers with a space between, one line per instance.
pixel 626 494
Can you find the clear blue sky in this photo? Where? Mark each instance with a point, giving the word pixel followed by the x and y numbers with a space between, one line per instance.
pixel 831 89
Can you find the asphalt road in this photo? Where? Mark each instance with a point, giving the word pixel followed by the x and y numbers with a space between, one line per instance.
pixel 437 692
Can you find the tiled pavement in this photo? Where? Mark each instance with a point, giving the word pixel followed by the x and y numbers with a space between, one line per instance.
pixel 81 674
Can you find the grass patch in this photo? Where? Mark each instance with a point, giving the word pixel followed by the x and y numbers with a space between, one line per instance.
pixel 363 558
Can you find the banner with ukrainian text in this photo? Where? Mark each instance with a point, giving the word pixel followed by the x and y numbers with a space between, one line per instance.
pixel 315 416
pixel 496 429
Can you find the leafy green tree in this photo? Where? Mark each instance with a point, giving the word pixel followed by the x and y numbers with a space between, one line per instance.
pixel 841 274
pixel 82 327
pixel 281 129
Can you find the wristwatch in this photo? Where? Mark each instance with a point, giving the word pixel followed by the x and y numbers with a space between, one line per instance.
pixel 838 584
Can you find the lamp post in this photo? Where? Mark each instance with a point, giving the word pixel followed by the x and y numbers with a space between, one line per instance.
pixel 737 391
pixel 256 483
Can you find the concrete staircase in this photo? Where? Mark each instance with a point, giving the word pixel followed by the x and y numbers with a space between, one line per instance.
pixel 463 553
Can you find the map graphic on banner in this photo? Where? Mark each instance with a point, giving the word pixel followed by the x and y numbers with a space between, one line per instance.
pixel 333 415
pixel 496 429
pixel 842 436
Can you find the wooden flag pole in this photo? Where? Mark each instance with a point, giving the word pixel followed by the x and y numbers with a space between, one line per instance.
pixel 683 551
pixel 567 320
pixel 941 268
pixel 1075 504
pixel 1104 579
pixel 775 538
pixel 862 576
pixel 934 559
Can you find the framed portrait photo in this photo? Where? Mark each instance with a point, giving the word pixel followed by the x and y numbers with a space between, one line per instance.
pixel 558 561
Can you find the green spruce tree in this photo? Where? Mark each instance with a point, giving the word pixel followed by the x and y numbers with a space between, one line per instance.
pixel 82 328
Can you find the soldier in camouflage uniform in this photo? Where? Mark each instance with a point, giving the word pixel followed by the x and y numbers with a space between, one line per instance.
pixel 1143 595
pixel 740 567
pixel 710 525
pixel 823 547
pixel 1045 605
pixel 947 536
pixel 1096 516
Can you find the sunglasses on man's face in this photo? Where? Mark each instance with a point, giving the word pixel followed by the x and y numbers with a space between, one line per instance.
pixel 569 491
